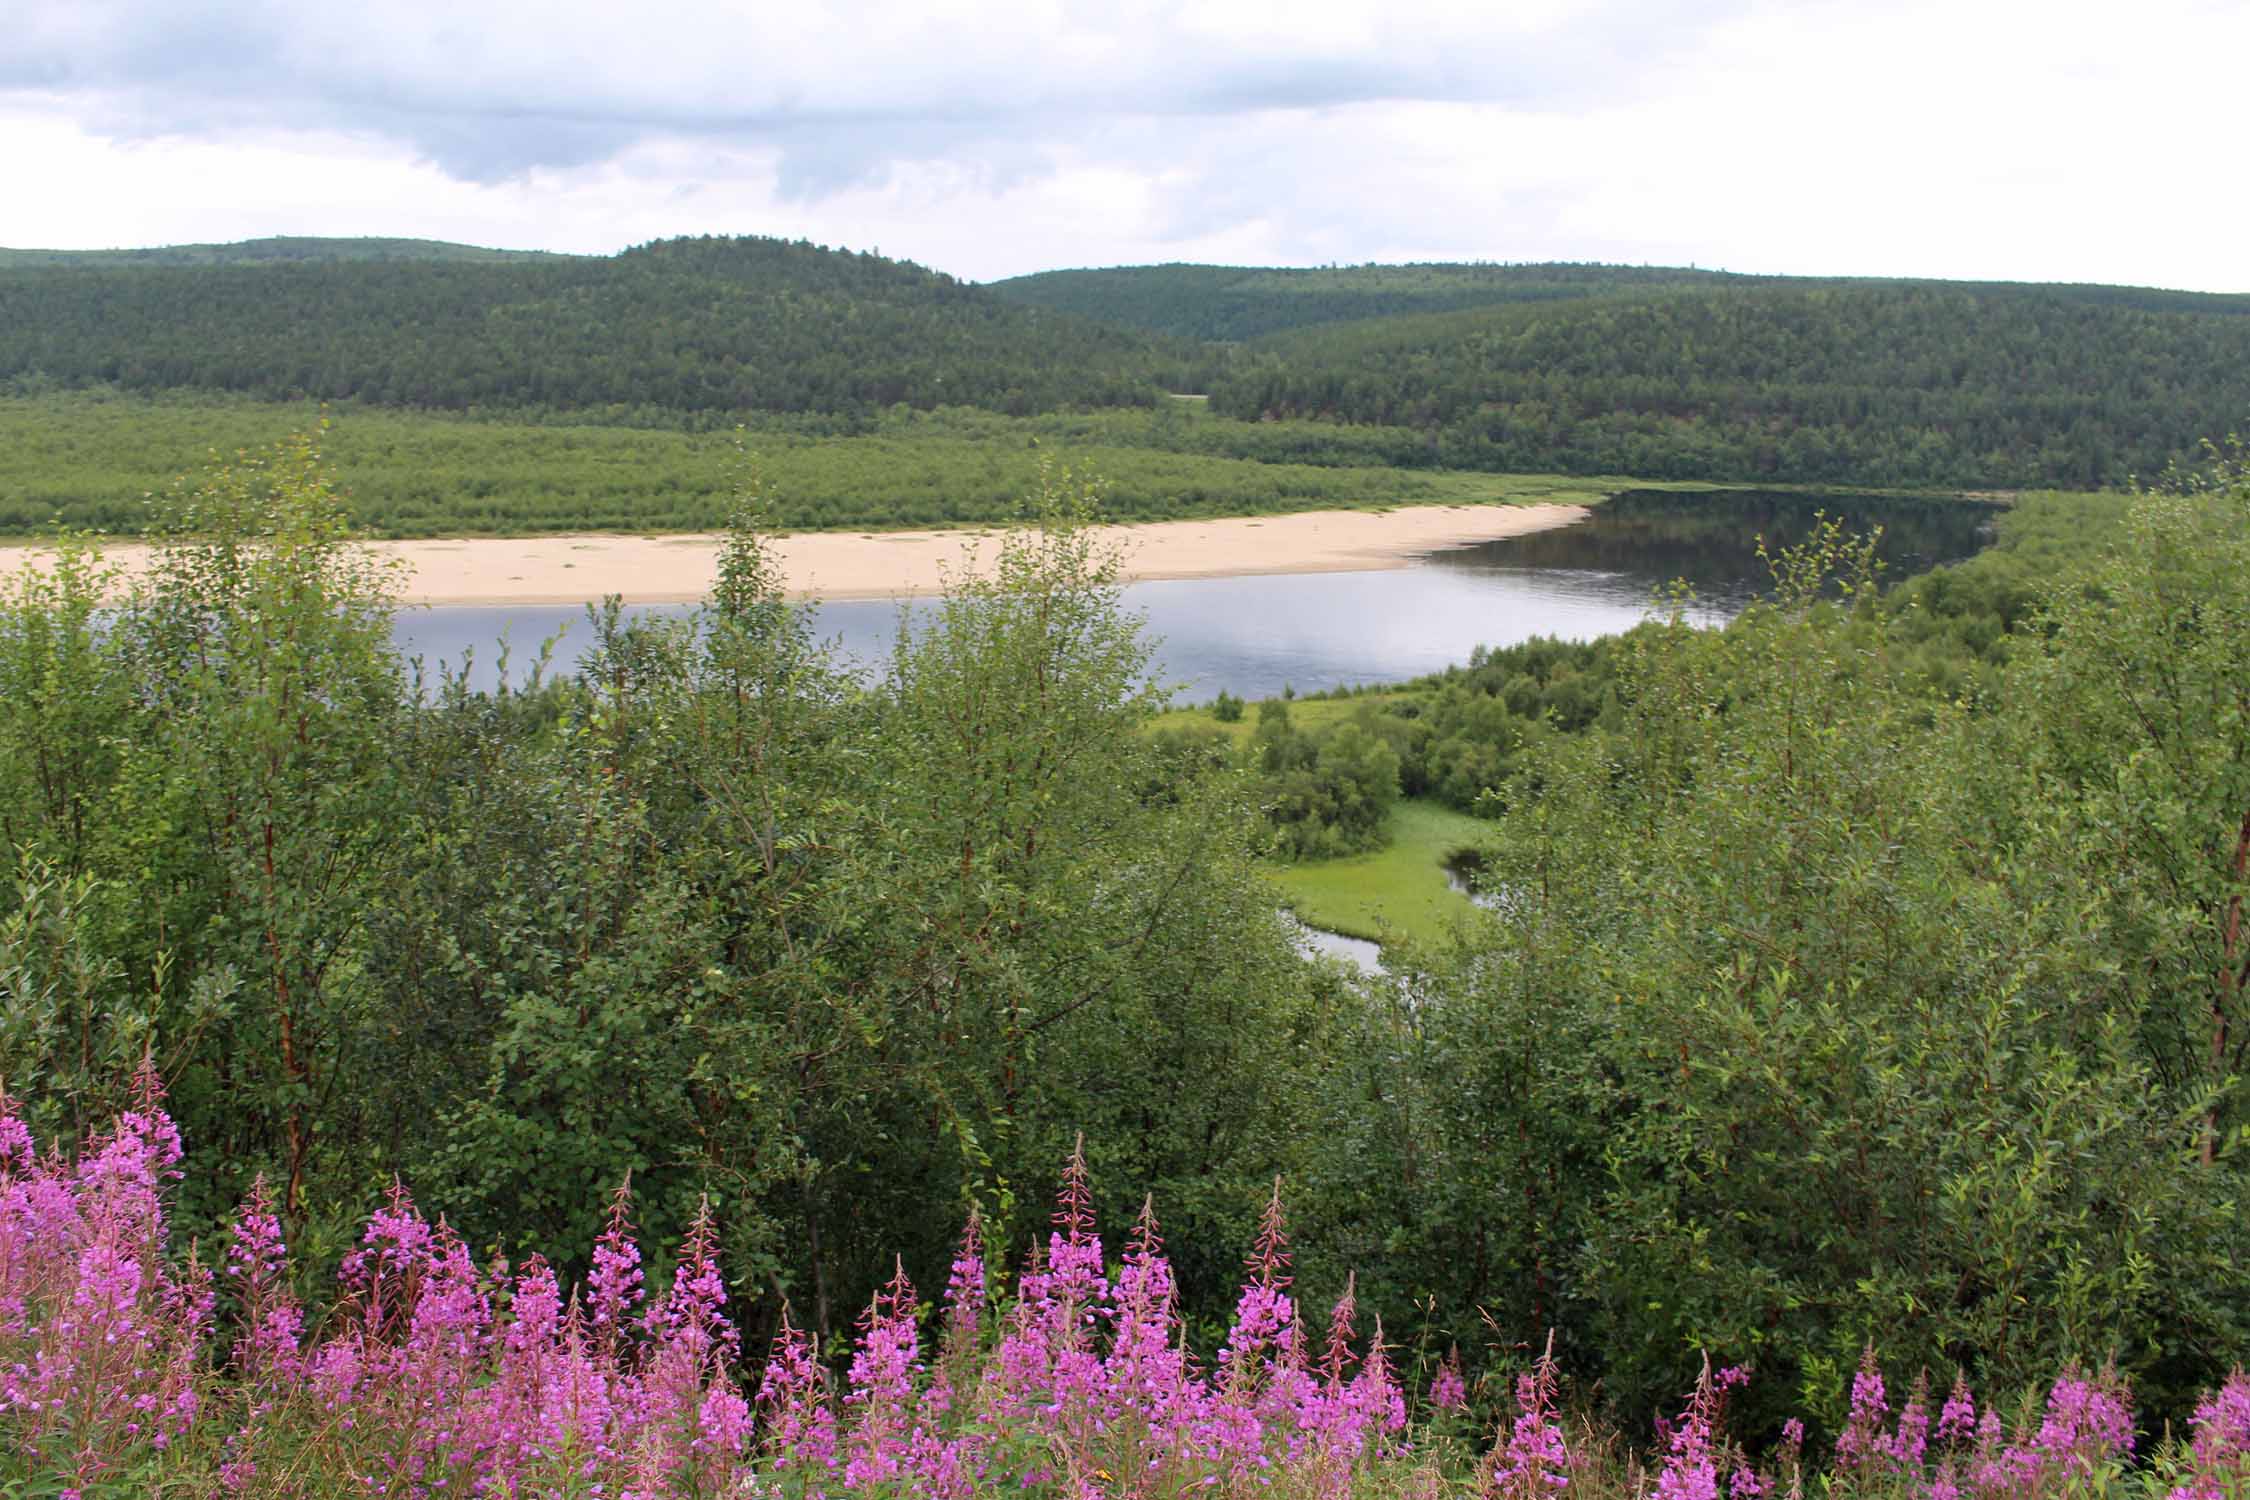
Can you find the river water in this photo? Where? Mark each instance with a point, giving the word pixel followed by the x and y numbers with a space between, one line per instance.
pixel 1257 635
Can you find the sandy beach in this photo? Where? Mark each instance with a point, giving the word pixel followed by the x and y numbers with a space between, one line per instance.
pixel 895 564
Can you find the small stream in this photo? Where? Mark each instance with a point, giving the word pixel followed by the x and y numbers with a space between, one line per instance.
pixel 1315 942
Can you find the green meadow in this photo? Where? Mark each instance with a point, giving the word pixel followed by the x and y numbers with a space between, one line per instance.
pixel 1397 891
pixel 92 460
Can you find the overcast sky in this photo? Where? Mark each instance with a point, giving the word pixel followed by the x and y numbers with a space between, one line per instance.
pixel 2048 141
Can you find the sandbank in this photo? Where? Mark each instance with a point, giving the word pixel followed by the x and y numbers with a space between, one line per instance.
pixel 678 569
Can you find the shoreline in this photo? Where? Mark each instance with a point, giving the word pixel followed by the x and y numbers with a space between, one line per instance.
pixel 679 569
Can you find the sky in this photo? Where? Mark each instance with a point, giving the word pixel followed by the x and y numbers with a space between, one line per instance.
pixel 2055 141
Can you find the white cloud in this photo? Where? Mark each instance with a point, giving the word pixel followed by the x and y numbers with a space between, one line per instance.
pixel 2057 141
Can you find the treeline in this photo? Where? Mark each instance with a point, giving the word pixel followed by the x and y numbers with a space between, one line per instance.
pixel 1231 304
pixel 1824 1004
pixel 268 251
pixel 1928 385
pixel 679 326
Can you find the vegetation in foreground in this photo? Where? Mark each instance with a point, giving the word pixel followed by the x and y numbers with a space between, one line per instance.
pixel 1831 1006
pixel 1369 796
pixel 432 1375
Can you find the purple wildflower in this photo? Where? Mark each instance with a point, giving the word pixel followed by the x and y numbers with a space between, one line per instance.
pixel 1449 1391
pixel 799 1424
pixel 1862 1437
pixel 1535 1461
pixel 881 1399
pixel 615 1282
pixel 1957 1420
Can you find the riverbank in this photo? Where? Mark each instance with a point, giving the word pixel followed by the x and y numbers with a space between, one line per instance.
pixel 898 564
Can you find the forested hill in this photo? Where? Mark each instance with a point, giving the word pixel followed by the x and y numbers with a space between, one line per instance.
pixel 1662 373
pixel 293 248
pixel 1883 383
pixel 1234 303
pixel 693 326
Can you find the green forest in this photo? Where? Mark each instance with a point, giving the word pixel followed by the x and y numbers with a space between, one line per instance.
pixel 1235 304
pixel 1581 370
pixel 1910 385
pixel 1867 973
pixel 668 330
pixel 273 250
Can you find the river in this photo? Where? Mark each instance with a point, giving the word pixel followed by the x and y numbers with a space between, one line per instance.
pixel 1255 636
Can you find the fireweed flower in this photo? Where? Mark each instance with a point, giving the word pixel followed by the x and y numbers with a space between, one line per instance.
pixel 1862 1437
pixel 382 1277
pixel 1535 1461
pixel 1262 1377
pixel 965 1291
pixel 1449 1391
pixel 881 1398
pixel 1049 1369
pixel 1262 1336
pixel 1378 1403
pixel 258 1263
pixel 1324 1410
pixel 692 1344
pixel 1957 1421
pixel 800 1425
pixel 433 1376
pixel 2087 1422
pixel 1146 1377
pixel 1909 1444
pixel 614 1285
pixel 102 1339
pixel 1691 1466
pixel 2222 1441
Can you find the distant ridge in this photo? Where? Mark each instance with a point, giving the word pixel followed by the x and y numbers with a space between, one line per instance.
pixel 677 329
pixel 276 250
pixel 1687 374
pixel 1582 369
pixel 1236 303
pixel 1242 303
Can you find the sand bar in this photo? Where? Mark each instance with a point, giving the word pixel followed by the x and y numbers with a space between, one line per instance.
pixel 574 569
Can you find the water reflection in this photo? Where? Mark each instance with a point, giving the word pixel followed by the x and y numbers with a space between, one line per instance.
pixel 1642 540
pixel 1255 636
pixel 1318 942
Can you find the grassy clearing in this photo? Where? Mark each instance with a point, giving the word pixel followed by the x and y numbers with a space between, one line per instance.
pixel 1313 715
pixel 1400 890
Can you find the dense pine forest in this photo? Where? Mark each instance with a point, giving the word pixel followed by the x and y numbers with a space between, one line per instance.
pixel 279 248
pixel 1233 304
pixel 1685 374
pixel 1917 385
pixel 666 331
pixel 1580 370
pixel 1862 988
